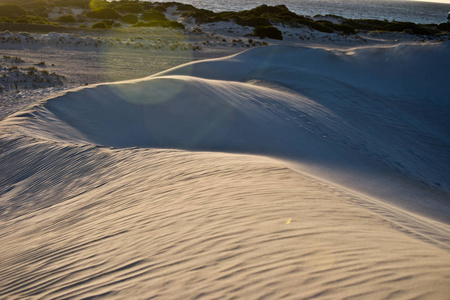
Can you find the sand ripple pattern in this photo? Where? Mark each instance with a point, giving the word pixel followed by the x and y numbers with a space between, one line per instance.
pixel 171 224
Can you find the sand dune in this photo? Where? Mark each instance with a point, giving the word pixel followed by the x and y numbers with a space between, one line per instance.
pixel 369 113
pixel 126 190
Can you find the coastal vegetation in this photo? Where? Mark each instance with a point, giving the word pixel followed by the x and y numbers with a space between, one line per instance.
pixel 269 32
pixel 17 74
pixel 264 20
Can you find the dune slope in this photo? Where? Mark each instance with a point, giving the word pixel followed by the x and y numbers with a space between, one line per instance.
pixel 126 190
pixel 362 118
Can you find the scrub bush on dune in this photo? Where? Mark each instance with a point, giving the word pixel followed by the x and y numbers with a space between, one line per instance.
pixel 160 8
pixel 153 16
pixel 169 24
pixel 410 28
pixel 100 25
pixel 66 19
pixel 443 27
pixel 130 19
pixel 32 20
pixel 269 32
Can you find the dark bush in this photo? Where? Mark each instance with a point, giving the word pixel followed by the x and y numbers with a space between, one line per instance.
pixel 409 27
pixel 11 11
pixel 270 10
pixel 129 8
pixel 252 21
pixel 200 15
pixel 175 24
pixel 103 13
pixel 160 8
pixel 153 16
pixel 323 26
pixel 100 25
pixel 130 19
pixel 320 27
pixel 366 24
pixel 269 32
pixel 344 28
pixel 66 19
pixel 443 27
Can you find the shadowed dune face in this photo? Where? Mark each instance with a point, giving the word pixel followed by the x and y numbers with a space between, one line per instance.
pixel 362 106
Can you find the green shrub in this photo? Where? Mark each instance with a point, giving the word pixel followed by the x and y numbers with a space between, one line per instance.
pixel 66 19
pixel 11 11
pixel 153 16
pixel 96 4
pixel 175 24
pixel 167 24
pixel 130 19
pixel 22 21
pixel 129 8
pixel 140 24
pixel 6 20
pixel 103 13
pixel 31 20
pixel 269 32
pixel 100 25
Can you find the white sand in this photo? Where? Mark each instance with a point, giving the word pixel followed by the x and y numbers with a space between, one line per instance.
pixel 350 199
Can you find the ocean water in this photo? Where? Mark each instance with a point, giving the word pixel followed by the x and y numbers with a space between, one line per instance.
pixel 399 10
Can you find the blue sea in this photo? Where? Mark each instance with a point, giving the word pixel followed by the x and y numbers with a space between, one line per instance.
pixel 399 10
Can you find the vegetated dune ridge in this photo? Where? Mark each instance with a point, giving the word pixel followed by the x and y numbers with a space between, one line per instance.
pixel 94 204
